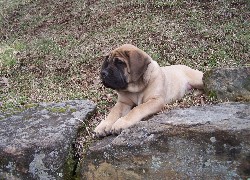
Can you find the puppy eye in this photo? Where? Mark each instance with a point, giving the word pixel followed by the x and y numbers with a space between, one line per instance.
pixel 105 62
pixel 118 61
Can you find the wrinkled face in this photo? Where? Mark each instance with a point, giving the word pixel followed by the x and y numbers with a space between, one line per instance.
pixel 113 73
pixel 124 66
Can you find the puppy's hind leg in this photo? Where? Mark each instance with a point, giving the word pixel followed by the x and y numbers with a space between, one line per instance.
pixel 195 79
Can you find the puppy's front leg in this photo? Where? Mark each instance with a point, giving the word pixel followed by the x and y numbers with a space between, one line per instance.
pixel 139 112
pixel 120 109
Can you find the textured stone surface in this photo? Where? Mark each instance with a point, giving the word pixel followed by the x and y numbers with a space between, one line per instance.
pixel 228 83
pixel 36 143
pixel 209 142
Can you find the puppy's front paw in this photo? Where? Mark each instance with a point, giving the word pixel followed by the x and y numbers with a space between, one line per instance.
pixel 103 129
pixel 119 125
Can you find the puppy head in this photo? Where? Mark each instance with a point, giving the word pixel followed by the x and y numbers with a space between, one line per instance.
pixel 113 73
pixel 126 64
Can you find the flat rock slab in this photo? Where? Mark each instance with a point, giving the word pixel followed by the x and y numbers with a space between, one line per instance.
pixel 36 143
pixel 228 83
pixel 208 142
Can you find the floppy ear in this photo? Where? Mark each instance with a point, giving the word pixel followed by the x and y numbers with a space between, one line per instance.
pixel 138 63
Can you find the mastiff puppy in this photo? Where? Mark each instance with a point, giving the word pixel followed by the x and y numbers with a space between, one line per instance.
pixel 143 86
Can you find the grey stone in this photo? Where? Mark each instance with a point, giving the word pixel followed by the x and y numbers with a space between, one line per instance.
pixel 36 143
pixel 208 142
pixel 228 83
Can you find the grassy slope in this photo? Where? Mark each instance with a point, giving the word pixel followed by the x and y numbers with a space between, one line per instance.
pixel 52 51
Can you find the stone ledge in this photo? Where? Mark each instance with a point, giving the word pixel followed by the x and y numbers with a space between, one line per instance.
pixel 36 143
pixel 209 142
pixel 231 84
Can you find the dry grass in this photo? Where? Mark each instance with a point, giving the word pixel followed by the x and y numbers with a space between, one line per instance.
pixel 52 51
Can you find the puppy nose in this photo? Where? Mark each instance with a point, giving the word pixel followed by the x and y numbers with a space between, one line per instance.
pixel 104 73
